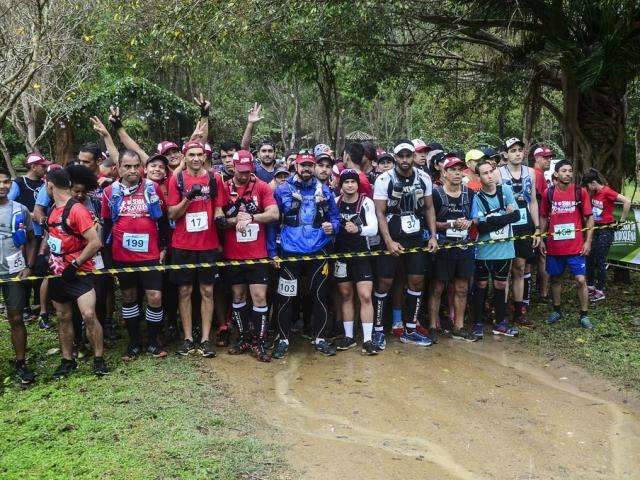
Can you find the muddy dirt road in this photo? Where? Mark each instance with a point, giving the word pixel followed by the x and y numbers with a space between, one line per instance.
pixel 487 410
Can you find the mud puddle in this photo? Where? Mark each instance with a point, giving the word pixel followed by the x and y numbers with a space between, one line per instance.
pixel 486 410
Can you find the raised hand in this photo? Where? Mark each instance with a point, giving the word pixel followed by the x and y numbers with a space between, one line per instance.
pixel 204 105
pixel 114 117
pixel 99 127
pixel 255 113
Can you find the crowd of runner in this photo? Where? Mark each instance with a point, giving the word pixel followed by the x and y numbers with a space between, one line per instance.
pixel 456 227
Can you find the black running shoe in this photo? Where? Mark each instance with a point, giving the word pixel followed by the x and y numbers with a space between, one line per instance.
pixel 100 367
pixel 368 348
pixel 241 347
pixel 280 350
pixel 464 334
pixel 345 343
pixel 23 373
pixel 206 349
pixel 156 351
pixel 66 368
pixel 325 348
pixel 260 351
pixel 132 352
pixel 186 348
pixel 43 323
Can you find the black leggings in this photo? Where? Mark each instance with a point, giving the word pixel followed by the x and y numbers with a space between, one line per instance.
pixel 597 259
pixel 316 273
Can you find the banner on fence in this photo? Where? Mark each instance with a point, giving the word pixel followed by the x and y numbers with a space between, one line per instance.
pixel 626 240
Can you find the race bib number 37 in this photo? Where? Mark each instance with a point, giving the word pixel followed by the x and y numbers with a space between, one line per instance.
pixel 197 221
pixel 410 223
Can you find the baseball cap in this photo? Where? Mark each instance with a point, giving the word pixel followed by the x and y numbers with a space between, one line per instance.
pixel 37 159
pixel 280 170
pixel 349 174
pixel 434 146
pixel 191 144
pixel 321 149
pixel 472 157
pixel 384 156
pixel 513 141
pixel 451 160
pixel 543 151
pixel 490 152
pixel 438 157
pixel 243 161
pixel 419 145
pixel 208 151
pixel 165 146
pixel 157 156
pixel 305 157
pixel 403 145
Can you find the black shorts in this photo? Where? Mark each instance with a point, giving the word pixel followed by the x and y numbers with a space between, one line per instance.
pixel 247 274
pixel 14 295
pixel 448 267
pixel 185 276
pixel 148 280
pixel 414 263
pixel 353 270
pixel 524 247
pixel 496 269
pixel 63 292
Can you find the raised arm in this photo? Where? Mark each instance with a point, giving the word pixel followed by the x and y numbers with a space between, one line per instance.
pixel 201 133
pixel 127 141
pixel 254 117
pixel 101 130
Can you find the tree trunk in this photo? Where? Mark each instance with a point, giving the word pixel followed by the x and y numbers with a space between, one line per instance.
pixel 532 107
pixel 594 127
pixel 637 153
pixel 65 141
pixel 297 117
pixel 7 156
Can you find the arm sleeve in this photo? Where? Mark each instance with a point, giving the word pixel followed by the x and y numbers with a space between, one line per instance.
pixel 334 214
pixel 380 188
pixel 371 228
pixel 14 191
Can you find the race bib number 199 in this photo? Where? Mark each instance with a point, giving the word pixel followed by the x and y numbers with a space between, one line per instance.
pixel 197 221
pixel 136 242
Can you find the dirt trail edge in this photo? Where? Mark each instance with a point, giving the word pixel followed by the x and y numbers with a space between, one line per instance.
pixel 487 410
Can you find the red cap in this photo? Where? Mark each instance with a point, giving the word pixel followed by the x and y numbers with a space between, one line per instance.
pixel 191 144
pixel 419 145
pixel 543 152
pixel 208 151
pixel 37 159
pixel 452 161
pixel 165 146
pixel 243 161
pixel 305 158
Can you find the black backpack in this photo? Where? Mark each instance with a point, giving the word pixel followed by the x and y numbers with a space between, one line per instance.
pixel 64 217
pixel 213 185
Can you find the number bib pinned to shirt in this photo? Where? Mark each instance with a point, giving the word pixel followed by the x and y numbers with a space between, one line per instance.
pixel 523 217
pixel 597 213
pixel 288 288
pixel 16 262
pixel 136 242
pixel 456 234
pixel 55 244
pixel 98 262
pixel 409 223
pixel 197 221
pixel 564 231
pixel 340 269
pixel 250 233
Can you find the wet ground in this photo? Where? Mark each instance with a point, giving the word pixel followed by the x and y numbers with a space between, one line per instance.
pixel 487 410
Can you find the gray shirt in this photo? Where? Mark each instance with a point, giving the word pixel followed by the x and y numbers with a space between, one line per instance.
pixel 7 248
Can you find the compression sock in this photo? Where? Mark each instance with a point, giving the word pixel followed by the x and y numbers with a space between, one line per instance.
pixel 131 317
pixel 500 304
pixel 367 329
pixel 348 329
pixel 378 306
pixel 154 316
pixel 237 313
pixel 478 303
pixel 260 320
pixel 526 299
pixel 413 304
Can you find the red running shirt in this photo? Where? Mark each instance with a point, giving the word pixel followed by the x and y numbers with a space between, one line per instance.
pixel 66 248
pixel 134 237
pixel 603 203
pixel 243 247
pixel 195 230
pixel 565 218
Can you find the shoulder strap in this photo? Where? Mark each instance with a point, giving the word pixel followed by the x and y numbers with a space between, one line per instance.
pixel 180 183
pixel 65 215
pixel 466 205
pixel 500 194
pixel 550 192
pixel 361 198
pixel 444 201
pixel 16 211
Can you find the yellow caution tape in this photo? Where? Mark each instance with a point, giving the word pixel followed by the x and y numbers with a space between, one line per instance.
pixel 306 258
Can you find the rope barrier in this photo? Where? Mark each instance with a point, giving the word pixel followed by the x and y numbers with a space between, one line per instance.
pixel 306 258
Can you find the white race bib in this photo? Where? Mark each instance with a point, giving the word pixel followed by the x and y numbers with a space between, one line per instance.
pixel 136 242
pixel 501 234
pixel 410 223
pixel 197 221
pixel 340 270
pixel 288 288
pixel 16 262
pixel 523 217
pixel 55 244
pixel 564 231
pixel 250 233
pixel 597 213
pixel 457 234
pixel 374 240
pixel 98 262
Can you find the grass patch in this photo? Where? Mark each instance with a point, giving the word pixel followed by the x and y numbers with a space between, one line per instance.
pixel 152 419
pixel 611 349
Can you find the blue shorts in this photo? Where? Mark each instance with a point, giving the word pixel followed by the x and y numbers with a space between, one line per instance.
pixel 556 264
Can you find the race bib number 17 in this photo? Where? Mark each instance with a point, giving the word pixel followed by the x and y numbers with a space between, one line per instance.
pixel 197 221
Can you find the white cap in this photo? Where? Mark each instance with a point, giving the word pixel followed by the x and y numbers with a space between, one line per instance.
pixel 403 146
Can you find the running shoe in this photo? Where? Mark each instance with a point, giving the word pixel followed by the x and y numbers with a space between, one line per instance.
pixel 280 350
pixel 432 333
pixel 27 315
pixel 241 347
pixel 591 289
pixel 503 328
pixel 260 351
pixel 186 348
pixel 345 343
pixel 23 373
pixel 478 330
pixel 132 352
pixel 524 322
pixel 597 296
pixel 422 330
pixel 325 348
pixel 100 367
pixel 554 317
pixel 397 329
pixel 206 349
pixel 156 351
pixel 464 334
pixel 586 323
pixel 378 339
pixel 416 338
pixel 66 368
pixel 43 323
pixel 368 348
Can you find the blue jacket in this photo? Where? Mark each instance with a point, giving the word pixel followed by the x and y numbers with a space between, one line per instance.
pixel 303 238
